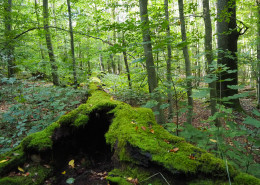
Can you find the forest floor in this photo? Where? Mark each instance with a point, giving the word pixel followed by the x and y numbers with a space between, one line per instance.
pixel 97 171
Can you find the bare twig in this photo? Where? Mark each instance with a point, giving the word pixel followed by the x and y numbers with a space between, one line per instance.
pixel 159 173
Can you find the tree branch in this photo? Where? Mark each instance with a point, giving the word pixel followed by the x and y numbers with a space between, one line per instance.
pixel 240 32
pixel 77 32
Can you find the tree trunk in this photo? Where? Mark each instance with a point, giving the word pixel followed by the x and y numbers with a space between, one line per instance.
pixel 152 78
pixel 9 47
pixel 54 68
pixel 126 64
pixel 169 58
pixel 258 55
pixel 187 63
pixel 227 48
pixel 209 57
pixel 39 34
pixel 101 61
pixel 72 47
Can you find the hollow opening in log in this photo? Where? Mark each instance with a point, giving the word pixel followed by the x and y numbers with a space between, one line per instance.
pixel 85 143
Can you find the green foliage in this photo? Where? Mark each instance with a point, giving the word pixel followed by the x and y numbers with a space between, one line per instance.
pixel 32 107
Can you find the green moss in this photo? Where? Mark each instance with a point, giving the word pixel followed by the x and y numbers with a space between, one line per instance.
pixel 15 158
pixel 37 175
pixel 144 175
pixel 118 180
pixel 40 141
pixel 81 120
pixel 215 166
pixel 69 118
pixel 137 128
pixel 208 182
pixel 245 179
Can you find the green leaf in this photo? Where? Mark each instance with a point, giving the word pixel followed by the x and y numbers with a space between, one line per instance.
pixel 256 112
pixel 200 93
pixel 251 121
pixel 235 86
pixel 182 44
pixel 139 60
pixel 163 106
pixel 151 104
pixel 70 180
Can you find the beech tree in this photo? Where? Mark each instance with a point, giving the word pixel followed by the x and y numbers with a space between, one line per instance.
pixel 187 62
pixel 9 45
pixel 148 52
pixel 258 54
pixel 169 60
pixel 228 33
pixel 54 72
pixel 209 56
pixel 75 82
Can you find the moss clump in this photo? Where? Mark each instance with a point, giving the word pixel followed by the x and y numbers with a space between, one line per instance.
pixel 137 127
pixel 208 182
pixel 14 158
pixel 245 179
pixel 123 176
pixel 118 180
pixel 37 175
pixel 81 120
pixel 134 131
pixel 40 141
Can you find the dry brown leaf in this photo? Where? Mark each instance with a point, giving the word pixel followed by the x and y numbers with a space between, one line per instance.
pixel 143 127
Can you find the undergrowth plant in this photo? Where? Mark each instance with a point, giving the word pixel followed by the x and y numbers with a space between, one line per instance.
pixel 31 107
pixel 237 140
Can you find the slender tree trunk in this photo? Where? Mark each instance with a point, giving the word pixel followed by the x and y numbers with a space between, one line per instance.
pixel 113 63
pixel 119 67
pixel 209 57
pixel 101 61
pixel 54 68
pixel 187 63
pixel 258 55
pixel 9 47
pixel 198 66
pixel 126 64
pixel 39 34
pixel 152 77
pixel 72 47
pixel 169 58
pixel 89 68
pixel 109 66
pixel 227 48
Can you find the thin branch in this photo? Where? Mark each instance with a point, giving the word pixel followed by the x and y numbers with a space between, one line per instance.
pixel 240 32
pixel 77 32
pixel 159 173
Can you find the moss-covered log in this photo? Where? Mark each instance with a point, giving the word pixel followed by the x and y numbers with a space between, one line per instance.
pixel 129 138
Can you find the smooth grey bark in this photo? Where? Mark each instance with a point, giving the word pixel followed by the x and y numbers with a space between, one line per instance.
pixel 150 68
pixel 227 49
pixel 258 55
pixel 54 68
pixel 9 47
pixel 209 57
pixel 75 81
pixel 113 63
pixel 102 67
pixel 168 64
pixel 187 63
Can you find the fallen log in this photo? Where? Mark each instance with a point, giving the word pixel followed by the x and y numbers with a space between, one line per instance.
pixel 123 142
